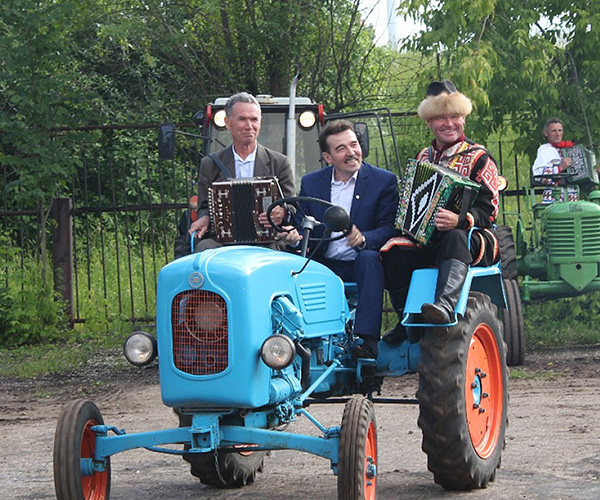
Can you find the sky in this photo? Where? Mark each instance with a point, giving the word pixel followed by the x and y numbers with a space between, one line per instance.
pixel 377 14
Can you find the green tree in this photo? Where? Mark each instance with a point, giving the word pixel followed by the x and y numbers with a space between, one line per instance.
pixel 520 62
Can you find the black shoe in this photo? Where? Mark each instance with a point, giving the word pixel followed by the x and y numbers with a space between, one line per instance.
pixel 435 314
pixel 396 335
pixel 368 349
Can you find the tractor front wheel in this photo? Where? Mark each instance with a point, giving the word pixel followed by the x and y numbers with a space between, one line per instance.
pixel 357 468
pixel 463 397
pixel 74 441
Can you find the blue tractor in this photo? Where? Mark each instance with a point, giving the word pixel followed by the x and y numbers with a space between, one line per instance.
pixel 249 338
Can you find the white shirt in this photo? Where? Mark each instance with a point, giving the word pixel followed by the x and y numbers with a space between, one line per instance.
pixel 244 167
pixel 342 194
pixel 547 154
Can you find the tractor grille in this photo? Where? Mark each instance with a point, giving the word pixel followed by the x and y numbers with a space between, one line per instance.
pixel 562 242
pixel 200 332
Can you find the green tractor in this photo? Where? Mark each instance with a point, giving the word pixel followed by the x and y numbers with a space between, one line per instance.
pixel 557 253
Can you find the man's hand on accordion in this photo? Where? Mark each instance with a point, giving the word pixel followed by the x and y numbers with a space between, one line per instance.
pixel 277 215
pixel 200 226
pixel 445 220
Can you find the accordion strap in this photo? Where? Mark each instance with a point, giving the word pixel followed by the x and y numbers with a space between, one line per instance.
pixel 220 164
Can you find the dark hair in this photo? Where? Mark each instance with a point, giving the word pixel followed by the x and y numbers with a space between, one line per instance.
pixel 333 128
pixel 550 121
pixel 239 97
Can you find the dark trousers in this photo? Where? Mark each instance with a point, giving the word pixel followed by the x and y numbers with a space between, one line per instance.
pixel 367 271
pixel 400 262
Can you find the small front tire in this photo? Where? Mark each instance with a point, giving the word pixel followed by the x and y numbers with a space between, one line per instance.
pixel 357 468
pixel 74 440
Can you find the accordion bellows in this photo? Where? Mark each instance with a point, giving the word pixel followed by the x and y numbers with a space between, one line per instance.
pixel 583 166
pixel 234 206
pixel 427 188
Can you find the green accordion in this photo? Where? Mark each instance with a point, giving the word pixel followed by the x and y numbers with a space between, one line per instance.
pixel 426 189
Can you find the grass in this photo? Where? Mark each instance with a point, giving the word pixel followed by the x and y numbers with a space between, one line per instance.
pixel 43 359
pixel 522 374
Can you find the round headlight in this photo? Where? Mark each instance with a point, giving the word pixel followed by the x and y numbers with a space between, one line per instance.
pixel 140 348
pixel 278 352
pixel 307 119
pixel 219 119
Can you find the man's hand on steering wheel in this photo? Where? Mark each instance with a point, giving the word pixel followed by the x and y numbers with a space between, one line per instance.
pixel 336 219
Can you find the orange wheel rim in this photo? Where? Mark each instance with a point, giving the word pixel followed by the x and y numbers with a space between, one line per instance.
pixel 370 473
pixel 484 391
pixel 94 487
pixel 244 447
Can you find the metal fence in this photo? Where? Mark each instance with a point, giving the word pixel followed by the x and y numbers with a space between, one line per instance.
pixel 111 230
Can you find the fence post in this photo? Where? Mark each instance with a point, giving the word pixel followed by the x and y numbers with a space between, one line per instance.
pixel 62 251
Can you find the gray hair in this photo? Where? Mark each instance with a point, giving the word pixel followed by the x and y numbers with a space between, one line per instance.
pixel 239 97
pixel 551 121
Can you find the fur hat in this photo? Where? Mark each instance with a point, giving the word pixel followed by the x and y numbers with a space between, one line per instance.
pixel 443 99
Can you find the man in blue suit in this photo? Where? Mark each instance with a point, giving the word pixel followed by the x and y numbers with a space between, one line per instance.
pixel 370 195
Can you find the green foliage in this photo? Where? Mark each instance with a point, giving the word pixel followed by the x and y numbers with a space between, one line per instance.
pixel 563 322
pixel 30 311
pixel 519 62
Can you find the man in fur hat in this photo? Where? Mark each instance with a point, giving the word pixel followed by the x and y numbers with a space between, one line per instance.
pixel 444 109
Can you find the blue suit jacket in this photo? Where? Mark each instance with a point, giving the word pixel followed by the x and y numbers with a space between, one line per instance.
pixel 374 204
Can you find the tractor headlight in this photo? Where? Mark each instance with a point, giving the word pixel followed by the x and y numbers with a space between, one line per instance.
pixel 307 119
pixel 278 351
pixel 140 348
pixel 219 119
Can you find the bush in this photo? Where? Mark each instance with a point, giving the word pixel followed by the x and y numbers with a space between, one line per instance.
pixel 29 316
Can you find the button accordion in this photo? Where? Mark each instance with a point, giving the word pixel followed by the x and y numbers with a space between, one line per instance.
pixel 583 166
pixel 426 189
pixel 234 206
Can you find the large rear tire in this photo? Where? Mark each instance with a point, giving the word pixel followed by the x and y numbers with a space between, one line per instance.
pixel 514 328
pixel 223 469
pixel 73 441
pixel 463 397
pixel 357 468
pixel 508 252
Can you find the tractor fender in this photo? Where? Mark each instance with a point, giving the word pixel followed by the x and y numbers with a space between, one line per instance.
pixel 486 280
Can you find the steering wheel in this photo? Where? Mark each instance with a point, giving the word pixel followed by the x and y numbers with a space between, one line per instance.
pixel 335 218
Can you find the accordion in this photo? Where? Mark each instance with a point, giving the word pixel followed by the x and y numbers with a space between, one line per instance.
pixel 234 206
pixel 426 189
pixel 583 166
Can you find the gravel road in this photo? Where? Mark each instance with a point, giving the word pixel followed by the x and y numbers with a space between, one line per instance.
pixel 552 449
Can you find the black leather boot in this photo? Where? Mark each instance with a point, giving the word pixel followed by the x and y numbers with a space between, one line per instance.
pixel 451 277
pixel 398 334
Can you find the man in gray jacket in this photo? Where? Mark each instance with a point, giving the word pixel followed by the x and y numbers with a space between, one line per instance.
pixel 245 158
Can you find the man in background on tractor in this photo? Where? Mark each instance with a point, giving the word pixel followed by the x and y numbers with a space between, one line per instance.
pixel 549 160
pixel 444 109
pixel 370 195
pixel 245 158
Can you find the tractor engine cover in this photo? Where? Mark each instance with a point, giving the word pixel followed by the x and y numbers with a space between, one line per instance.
pixel 572 240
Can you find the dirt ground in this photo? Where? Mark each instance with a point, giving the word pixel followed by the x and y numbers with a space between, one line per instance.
pixel 552 446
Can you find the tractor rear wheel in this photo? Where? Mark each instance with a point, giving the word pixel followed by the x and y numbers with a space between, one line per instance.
pixel 357 468
pixel 514 329
pixel 508 253
pixel 463 397
pixel 223 469
pixel 74 440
